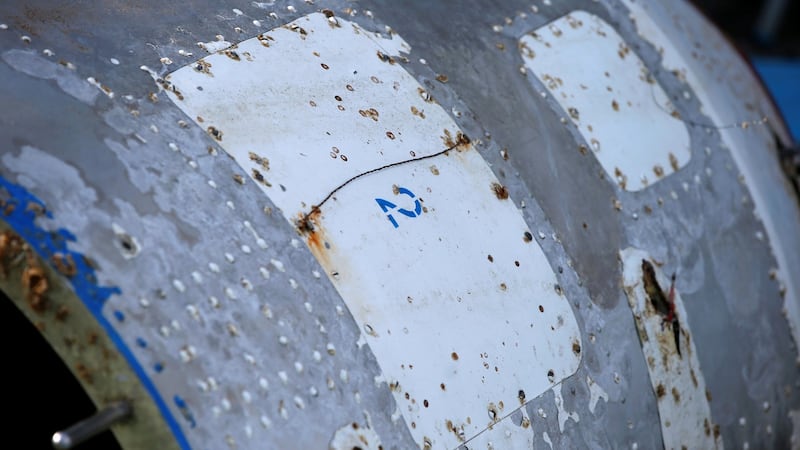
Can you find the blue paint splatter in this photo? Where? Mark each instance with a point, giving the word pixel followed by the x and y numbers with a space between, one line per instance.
pixel 184 409
pixel 141 342
pixel 22 207
pixel 119 315
pixel 158 367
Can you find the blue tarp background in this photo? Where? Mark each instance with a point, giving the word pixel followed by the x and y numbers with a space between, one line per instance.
pixel 782 78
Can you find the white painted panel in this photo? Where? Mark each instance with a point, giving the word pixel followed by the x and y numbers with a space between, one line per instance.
pixel 677 379
pixel 605 89
pixel 436 264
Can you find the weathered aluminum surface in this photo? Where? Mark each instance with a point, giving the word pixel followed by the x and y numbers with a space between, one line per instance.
pixel 154 200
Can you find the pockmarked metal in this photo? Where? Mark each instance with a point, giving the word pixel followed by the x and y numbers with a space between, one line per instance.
pixel 435 262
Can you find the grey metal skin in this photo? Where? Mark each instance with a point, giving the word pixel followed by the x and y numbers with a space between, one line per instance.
pixel 96 161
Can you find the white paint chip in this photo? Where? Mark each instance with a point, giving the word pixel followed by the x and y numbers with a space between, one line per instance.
pixel 380 237
pixel 606 90
pixel 677 379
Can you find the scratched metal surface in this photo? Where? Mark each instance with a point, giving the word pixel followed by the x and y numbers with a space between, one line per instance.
pixel 144 210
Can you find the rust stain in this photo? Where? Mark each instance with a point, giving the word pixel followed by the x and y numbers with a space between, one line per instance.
pixel 385 58
pixel 442 78
pixel 576 348
pixel 500 191
pixel 215 133
pixel 372 113
pixel 232 55
pixel 310 226
pixel 62 313
pixel 203 66
pixel 84 373
pixel 673 161
pixel 661 391
pixel 10 247
pixel 35 283
pixel 622 179
pixel 64 264
pixel 265 39
pixel 676 395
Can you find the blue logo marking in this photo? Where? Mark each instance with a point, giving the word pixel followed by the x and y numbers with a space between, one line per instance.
pixel 388 206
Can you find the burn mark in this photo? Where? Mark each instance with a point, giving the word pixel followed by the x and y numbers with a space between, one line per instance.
pixel 663 303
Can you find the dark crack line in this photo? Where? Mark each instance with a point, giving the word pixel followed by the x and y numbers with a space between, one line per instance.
pixel 378 169
pixel 743 124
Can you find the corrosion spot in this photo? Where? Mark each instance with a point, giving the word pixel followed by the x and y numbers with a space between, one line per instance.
pixel 673 161
pixel 661 391
pixel 442 78
pixel 500 191
pixel 676 395
pixel 215 133
pixel 576 348
pixel 325 66
pixel 232 55
pixel 64 264
pixel 527 237
pixel 454 356
pixel 84 373
pixel 35 283
pixel 390 135
pixel 615 105
pixel 521 396
pixel 385 58
pixel 541 308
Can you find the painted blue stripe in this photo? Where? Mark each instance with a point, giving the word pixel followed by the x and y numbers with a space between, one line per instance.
pixel 22 207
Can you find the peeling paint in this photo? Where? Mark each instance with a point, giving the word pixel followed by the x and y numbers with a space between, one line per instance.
pixel 563 414
pixel 675 374
pixel 595 393
pixel 30 63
